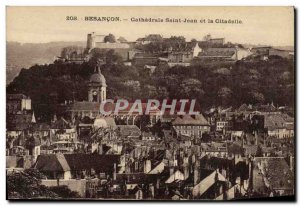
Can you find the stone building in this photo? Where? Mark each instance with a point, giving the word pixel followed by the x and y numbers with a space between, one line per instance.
pixel 17 103
pixel 191 125
pixel 96 94
pixel 97 86
pixel 98 41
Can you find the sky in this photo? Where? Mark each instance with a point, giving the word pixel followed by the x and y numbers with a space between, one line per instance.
pixel 260 25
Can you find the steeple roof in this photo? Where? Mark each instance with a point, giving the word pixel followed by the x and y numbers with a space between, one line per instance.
pixel 98 77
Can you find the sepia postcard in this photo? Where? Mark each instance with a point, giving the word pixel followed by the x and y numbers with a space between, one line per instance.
pixel 150 103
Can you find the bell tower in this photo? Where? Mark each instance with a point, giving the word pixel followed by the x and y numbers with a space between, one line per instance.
pixel 97 86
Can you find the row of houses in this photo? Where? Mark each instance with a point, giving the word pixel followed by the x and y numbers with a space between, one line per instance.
pixel 207 156
pixel 168 174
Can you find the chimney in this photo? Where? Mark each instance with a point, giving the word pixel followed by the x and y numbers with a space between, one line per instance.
pixel 199 150
pixel 158 182
pixel 175 163
pixel 128 178
pixel 147 166
pixel 250 183
pixel 217 192
pixel 152 191
pixel 115 172
pixel 100 149
pixel 186 160
pixel 243 141
pixel 186 172
pixel 171 170
pixel 216 176
pixel 256 137
pixel 193 158
pixel 196 175
pixel 291 163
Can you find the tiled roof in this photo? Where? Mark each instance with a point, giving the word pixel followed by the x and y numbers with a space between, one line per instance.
pixel 206 183
pixel 288 118
pixel 183 137
pixel 15 96
pixel 18 121
pixel 95 106
pixel 250 149
pixel 40 127
pixel 100 163
pixel 153 37
pixel 52 163
pixel 129 130
pixel 189 120
pixel 218 52
pixel 63 162
pixel 223 71
pixel 144 55
pixel 136 178
pixel 290 126
pixel 86 120
pixel 243 107
pixel 18 127
pixel 267 149
pixel 85 106
pixel 110 122
pixel 105 122
pixel 235 149
pixel 214 146
pixel 140 39
pixel 274 121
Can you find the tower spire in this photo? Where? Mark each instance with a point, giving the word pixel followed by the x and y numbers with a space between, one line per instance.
pixel 97 67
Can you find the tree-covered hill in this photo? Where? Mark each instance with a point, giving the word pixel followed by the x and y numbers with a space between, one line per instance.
pixel 211 83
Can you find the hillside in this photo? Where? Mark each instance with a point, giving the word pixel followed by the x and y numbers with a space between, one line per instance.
pixel 20 56
pixel 210 83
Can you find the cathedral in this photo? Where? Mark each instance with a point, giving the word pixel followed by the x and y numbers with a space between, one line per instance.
pixel 96 94
pixel 97 86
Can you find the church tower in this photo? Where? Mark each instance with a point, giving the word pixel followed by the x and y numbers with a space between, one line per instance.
pixel 97 86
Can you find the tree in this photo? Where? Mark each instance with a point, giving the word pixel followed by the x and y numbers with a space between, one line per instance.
pixel 143 121
pixel 67 52
pixel 157 129
pixel 207 37
pixel 149 91
pixel 257 97
pixel 30 143
pixel 162 93
pixel 259 152
pixel 243 78
pixel 111 57
pixel 191 88
pixel 108 57
pixel 206 137
pixel 122 39
pixel 110 38
pixel 27 184
pixel 194 42
pixel 64 192
pixel 224 94
pixel 174 42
